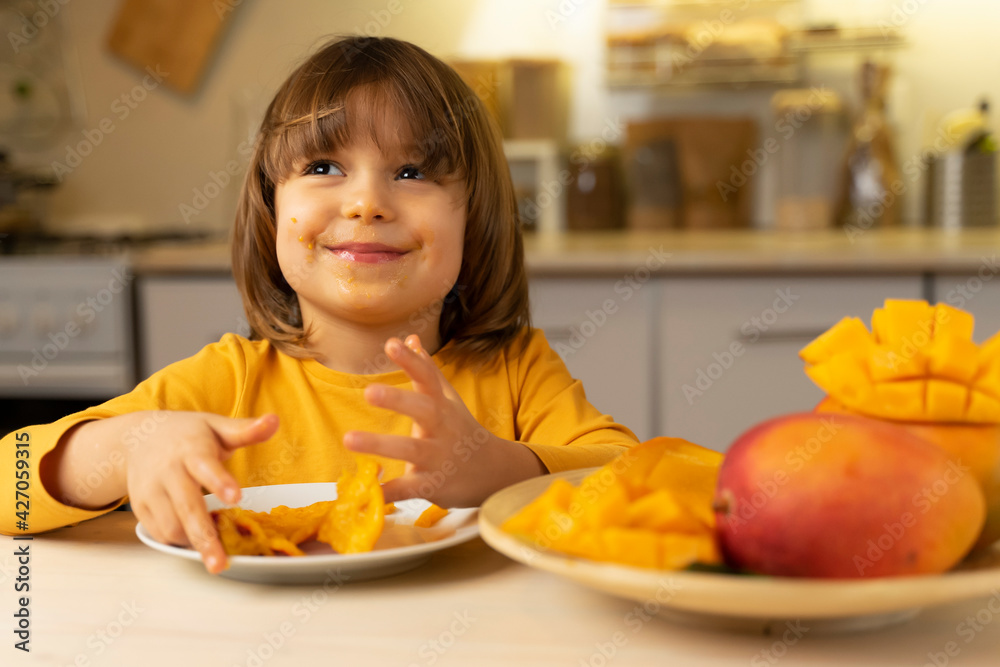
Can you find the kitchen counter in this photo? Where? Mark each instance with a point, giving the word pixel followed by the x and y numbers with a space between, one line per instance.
pixel 686 252
pixel 100 597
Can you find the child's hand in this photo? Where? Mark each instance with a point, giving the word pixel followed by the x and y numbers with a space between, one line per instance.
pixel 167 472
pixel 441 424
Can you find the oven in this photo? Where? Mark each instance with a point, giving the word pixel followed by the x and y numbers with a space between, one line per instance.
pixel 66 334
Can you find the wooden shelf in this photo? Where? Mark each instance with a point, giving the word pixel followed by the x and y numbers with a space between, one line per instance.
pixel 668 4
pixel 844 39
pixel 713 75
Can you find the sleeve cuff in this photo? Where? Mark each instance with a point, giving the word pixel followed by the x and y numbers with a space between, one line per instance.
pixel 559 458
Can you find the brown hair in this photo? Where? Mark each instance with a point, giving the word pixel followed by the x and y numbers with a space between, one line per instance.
pixel 340 90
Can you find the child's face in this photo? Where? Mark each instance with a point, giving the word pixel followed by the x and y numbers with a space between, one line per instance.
pixel 363 238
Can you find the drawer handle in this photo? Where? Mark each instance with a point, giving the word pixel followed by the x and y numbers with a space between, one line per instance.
pixel 781 335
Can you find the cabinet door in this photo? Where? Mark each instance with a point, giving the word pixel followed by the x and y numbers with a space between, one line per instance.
pixel 179 315
pixel 978 293
pixel 731 346
pixel 602 330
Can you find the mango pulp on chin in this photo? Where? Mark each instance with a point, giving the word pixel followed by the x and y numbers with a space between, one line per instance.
pixel 843 496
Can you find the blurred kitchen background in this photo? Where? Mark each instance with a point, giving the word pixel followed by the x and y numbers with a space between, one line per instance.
pixel 692 75
pixel 126 124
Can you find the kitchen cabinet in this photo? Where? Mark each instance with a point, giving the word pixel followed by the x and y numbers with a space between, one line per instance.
pixel 603 329
pixel 978 293
pixel 179 315
pixel 600 327
pixel 729 345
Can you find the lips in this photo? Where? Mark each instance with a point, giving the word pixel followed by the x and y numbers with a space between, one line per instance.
pixel 367 253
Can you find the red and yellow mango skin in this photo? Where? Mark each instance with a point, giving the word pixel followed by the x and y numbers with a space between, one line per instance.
pixel 843 496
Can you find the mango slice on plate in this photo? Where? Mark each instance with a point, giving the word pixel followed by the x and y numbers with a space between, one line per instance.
pixel 351 523
pixel 356 519
pixel 683 467
pixel 650 507
pixel 245 533
pixel 606 502
pixel 679 550
pixel 297 524
pixel 660 511
pixel 430 516
pixel 631 546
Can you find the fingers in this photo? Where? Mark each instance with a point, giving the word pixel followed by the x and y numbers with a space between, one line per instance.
pixel 182 519
pixel 413 342
pixel 401 488
pixel 236 433
pixel 214 477
pixel 399 447
pixel 417 364
pixel 419 407
pixel 189 506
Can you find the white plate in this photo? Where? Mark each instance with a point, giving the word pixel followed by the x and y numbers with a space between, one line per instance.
pixel 735 601
pixel 401 547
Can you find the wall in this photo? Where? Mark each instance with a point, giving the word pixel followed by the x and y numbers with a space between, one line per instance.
pixel 163 155
pixel 165 152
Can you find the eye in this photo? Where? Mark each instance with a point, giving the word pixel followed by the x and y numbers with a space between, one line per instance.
pixel 322 168
pixel 411 172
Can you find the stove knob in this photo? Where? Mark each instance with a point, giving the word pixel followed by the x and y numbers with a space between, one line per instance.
pixel 43 319
pixel 8 319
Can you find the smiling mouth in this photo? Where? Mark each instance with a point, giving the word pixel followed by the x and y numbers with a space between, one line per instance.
pixel 367 253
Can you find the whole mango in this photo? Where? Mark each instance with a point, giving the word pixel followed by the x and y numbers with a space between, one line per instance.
pixel 974 445
pixel 843 496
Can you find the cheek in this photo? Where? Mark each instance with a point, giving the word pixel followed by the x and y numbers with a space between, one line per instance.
pixel 294 249
pixel 289 256
pixel 295 236
pixel 443 249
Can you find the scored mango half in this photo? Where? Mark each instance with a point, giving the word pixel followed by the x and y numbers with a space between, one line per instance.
pixel 918 363
pixel 650 507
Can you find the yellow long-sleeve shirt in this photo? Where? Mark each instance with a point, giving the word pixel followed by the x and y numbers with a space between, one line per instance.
pixel 528 397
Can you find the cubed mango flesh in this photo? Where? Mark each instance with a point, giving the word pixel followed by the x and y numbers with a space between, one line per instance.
pixel 952 357
pixel 848 333
pixel 901 323
pixel 946 401
pixel 953 322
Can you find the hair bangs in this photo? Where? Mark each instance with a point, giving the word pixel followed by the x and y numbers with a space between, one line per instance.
pixel 388 107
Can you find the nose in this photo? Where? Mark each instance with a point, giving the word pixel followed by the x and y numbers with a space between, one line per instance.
pixel 367 200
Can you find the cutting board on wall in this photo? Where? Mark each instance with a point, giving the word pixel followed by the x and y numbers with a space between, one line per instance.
pixel 175 37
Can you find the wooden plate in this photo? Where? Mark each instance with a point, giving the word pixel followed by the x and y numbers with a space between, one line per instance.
pixel 739 601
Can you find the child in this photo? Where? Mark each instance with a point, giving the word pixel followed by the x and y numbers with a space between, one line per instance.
pixel 379 257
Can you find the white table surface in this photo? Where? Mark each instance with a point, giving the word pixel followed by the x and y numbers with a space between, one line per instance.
pixel 101 597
